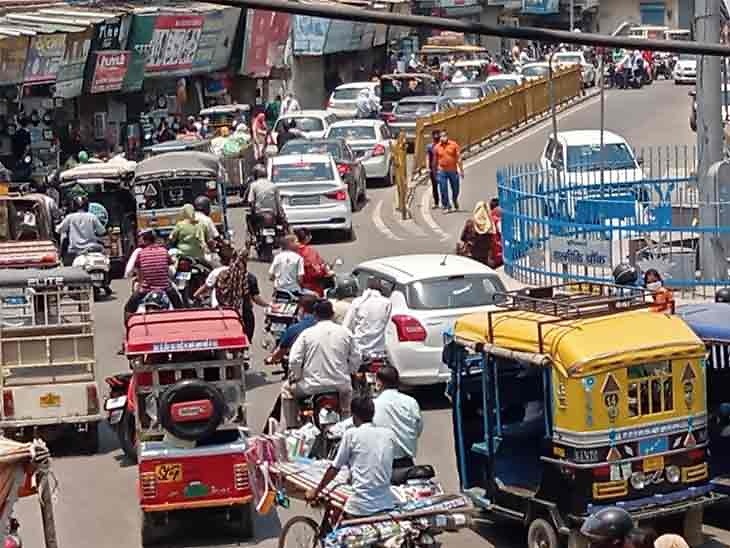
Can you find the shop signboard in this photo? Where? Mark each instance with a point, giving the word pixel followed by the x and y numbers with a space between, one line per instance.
pixel 580 252
pixel 45 55
pixel 110 68
pixel 111 34
pixel 224 47
pixel 70 79
pixel 13 53
pixel 216 40
pixel 540 7
pixel 310 34
pixel 266 36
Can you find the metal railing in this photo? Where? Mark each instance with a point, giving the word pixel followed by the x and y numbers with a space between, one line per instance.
pixel 474 124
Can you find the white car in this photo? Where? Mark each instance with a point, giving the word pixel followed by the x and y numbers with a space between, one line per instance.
pixel 535 71
pixel 343 101
pixel 685 69
pixel 370 140
pixel 311 123
pixel 312 192
pixel 504 81
pixel 429 293
pixel 571 58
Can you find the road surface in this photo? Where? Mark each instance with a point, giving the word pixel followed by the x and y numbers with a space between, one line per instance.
pixel 96 504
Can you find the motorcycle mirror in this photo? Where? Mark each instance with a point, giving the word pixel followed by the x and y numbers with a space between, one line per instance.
pixel 339 261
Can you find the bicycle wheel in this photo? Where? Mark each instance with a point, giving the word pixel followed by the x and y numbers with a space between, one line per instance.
pixel 300 532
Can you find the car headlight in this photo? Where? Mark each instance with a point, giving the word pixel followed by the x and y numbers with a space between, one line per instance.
pixel 672 474
pixel 638 480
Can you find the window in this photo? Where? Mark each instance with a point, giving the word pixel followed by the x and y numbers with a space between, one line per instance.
pixel 303 123
pixel 650 389
pixel 417 109
pixel 589 157
pixel 352 133
pixel 347 94
pixel 471 92
pixel 502 83
pixel 385 133
pixel 363 277
pixel 301 172
pixel 453 292
pixel 550 150
pixel 558 156
pixel 312 147
pixel 535 71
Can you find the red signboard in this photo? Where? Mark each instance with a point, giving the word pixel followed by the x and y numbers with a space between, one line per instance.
pixel 109 71
pixel 266 36
pixel 174 42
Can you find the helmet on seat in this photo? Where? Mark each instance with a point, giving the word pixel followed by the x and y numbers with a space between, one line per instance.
pixel 156 300
pixel 722 295
pixel 625 274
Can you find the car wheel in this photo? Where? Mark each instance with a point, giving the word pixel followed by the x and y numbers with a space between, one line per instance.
pixel 348 235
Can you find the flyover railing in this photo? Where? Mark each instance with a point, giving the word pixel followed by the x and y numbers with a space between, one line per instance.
pixel 577 224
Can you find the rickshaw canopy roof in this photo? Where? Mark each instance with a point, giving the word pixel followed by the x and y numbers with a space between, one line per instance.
pixel 178 162
pixel 710 321
pixel 113 169
pixel 184 331
pixel 225 109
pixel 587 345
pixel 43 277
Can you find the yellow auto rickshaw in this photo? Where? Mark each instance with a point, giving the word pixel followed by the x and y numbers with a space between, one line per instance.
pixel 570 398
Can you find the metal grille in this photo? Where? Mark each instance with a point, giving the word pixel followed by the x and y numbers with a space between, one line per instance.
pixel 719 356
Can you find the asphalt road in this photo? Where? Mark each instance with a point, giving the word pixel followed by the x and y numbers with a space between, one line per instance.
pixel 96 504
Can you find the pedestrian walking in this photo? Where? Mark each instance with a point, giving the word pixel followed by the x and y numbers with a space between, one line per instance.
pixel 476 237
pixel 433 168
pixel 450 169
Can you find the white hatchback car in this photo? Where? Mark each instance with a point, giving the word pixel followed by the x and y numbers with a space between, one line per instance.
pixel 312 191
pixel 685 69
pixel 429 293
pixel 370 140
pixel 504 81
pixel 572 58
pixel 343 101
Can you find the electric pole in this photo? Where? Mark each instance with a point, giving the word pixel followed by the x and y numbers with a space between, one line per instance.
pixel 713 262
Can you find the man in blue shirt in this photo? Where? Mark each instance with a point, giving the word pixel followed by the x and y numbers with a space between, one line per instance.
pixel 290 335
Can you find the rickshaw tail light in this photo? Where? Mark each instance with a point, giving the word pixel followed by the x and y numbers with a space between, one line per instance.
pixel 240 476
pixel 147 484
pixel 696 454
pixel 601 472
pixel 8 404
pixel 409 329
pixel 92 399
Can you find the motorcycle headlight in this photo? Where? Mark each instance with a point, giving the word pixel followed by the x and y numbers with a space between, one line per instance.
pixel 638 480
pixel 673 474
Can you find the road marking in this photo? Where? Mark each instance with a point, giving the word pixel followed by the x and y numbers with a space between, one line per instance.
pixel 380 225
pixel 411 226
pixel 432 224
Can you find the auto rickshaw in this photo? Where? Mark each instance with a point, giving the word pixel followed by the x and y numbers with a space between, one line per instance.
pixel 183 144
pixel 26 231
pixel 108 185
pixel 571 398
pixel 221 116
pixel 188 395
pixel 164 183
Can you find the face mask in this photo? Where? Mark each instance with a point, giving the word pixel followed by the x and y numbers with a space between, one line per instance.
pixel 654 286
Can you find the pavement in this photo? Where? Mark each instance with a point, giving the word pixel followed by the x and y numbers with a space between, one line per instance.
pixel 96 504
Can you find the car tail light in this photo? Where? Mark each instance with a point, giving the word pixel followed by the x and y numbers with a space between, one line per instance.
pixel 376 365
pixel 696 454
pixel 148 485
pixel 601 472
pixel 190 411
pixel 409 328
pixel 92 399
pixel 378 150
pixel 184 265
pixel 388 117
pixel 144 379
pixel 339 195
pixel 8 404
pixel 328 402
pixel 240 476
pixel 344 169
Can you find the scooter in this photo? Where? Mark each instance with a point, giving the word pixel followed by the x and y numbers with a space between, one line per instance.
pixel 95 261
pixel 189 275
pixel 120 414
pixel 280 314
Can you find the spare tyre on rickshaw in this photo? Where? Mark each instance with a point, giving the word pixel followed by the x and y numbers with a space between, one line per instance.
pixel 187 395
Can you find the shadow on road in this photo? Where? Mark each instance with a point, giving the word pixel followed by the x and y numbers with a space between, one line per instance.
pixel 430 398
pixel 214 532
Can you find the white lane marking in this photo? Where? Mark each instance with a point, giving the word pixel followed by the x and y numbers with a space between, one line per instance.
pixel 377 218
pixel 411 226
pixel 426 212
pixel 522 136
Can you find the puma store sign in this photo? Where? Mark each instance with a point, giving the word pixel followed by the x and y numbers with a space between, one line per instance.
pixel 109 71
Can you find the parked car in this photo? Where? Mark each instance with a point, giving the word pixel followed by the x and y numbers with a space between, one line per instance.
pixel 348 164
pixel 535 71
pixel 467 93
pixel 313 193
pixel 429 293
pixel 312 123
pixel 370 140
pixel 343 100
pixel 504 81
pixel 408 110
pixel 571 58
pixel 394 87
pixel 685 69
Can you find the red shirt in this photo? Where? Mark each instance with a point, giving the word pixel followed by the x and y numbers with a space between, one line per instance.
pixel 153 263
pixel 314 269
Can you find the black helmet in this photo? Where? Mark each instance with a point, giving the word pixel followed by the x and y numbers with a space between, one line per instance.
pixel 202 204
pixel 610 525
pixel 157 300
pixel 81 203
pixel 722 295
pixel 625 274
pixel 345 287
pixel 259 172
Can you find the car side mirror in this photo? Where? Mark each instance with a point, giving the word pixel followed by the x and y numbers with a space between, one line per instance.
pixel 692 93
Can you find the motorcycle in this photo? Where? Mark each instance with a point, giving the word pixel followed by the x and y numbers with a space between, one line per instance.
pixel 120 413
pixel 628 77
pixel 363 381
pixel 280 314
pixel 189 274
pixel 265 235
pixel 663 67
pixel 95 261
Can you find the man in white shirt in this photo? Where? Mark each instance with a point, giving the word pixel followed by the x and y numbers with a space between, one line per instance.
pixel 323 356
pixel 399 413
pixel 368 317
pixel 287 268
pixel 367 451
pixel 290 104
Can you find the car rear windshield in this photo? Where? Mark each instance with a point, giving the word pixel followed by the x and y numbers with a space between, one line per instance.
pixel 311 147
pixel 535 71
pixel 394 89
pixel 589 157
pixel 419 109
pixel 353 133
pixel 303 124
pixel 348 94
pixel 463 93
pixel 454 292
pixel 301 172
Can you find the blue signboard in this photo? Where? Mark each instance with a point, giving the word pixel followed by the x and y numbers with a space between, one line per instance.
pixel 540 7
pixel 310 34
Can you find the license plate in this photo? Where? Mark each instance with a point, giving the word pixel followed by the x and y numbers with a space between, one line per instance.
pixel 50 400
pixel 168 473
pixel 15 300
pixel 97 276
pixel 115 403
pixel 652 464
pixel 304 200
pixel 115 416
pixel 269 232
pixel 183 276
pixel 370 378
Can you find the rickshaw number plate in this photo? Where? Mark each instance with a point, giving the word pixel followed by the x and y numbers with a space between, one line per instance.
pixel 183 276
pixel 50 400
pixel 268 232
pixel 652 464
pixel 168 473
pixel 15 300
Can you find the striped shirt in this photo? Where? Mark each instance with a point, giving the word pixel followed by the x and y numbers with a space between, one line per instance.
pixel 152 263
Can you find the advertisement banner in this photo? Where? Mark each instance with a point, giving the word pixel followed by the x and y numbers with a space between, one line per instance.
pixel 310 34
pixel 13 53
pixel 266 35
pixel 140 35
pixel 216 40
pixel 45 55
pixel 70 79
pixel 110 68
pixel 174 43
pixel 224 47
pixel 540 7
pixel 111 34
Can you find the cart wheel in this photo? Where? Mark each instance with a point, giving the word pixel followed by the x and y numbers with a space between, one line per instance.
pixel 300 532
pixel 150 531
pixel 90 439
pixel 541 534
pixel 242 517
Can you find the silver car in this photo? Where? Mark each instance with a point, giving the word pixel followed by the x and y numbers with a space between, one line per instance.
pixel 467 93
pixel 408 110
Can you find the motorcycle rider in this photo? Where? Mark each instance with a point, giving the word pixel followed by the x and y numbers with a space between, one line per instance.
pixel 368 317
pixel 287 268
pixel 80 229
pixel 316 271
pixel 341 297
pixel 263 195
pixel 202 215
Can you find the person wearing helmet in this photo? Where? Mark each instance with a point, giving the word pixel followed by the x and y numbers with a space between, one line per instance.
pixel 263 195
pixel 607 528
pixel 80 230
pixel 662 296
pixel 202 215
pixel 722 295
pixel 341 297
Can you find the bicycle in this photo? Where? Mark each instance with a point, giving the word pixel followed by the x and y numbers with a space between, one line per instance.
pixel 315 533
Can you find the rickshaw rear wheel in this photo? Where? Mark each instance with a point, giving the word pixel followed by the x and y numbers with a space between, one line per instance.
pixel 242 517
pixel 541 534
pixel 150 531
pixel 289 537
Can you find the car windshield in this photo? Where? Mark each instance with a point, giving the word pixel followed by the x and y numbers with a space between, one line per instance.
pixel 501 83
pixel 301 172
pixel 471 92
pixel 535 71
pixel 394 89
pixel 303 124
pixel 572 59
pixel 454 292
pixel 415 108
pixel 588 157
pixel 353 133
pixel 311 147
pixel 687 57
pixel 347 94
